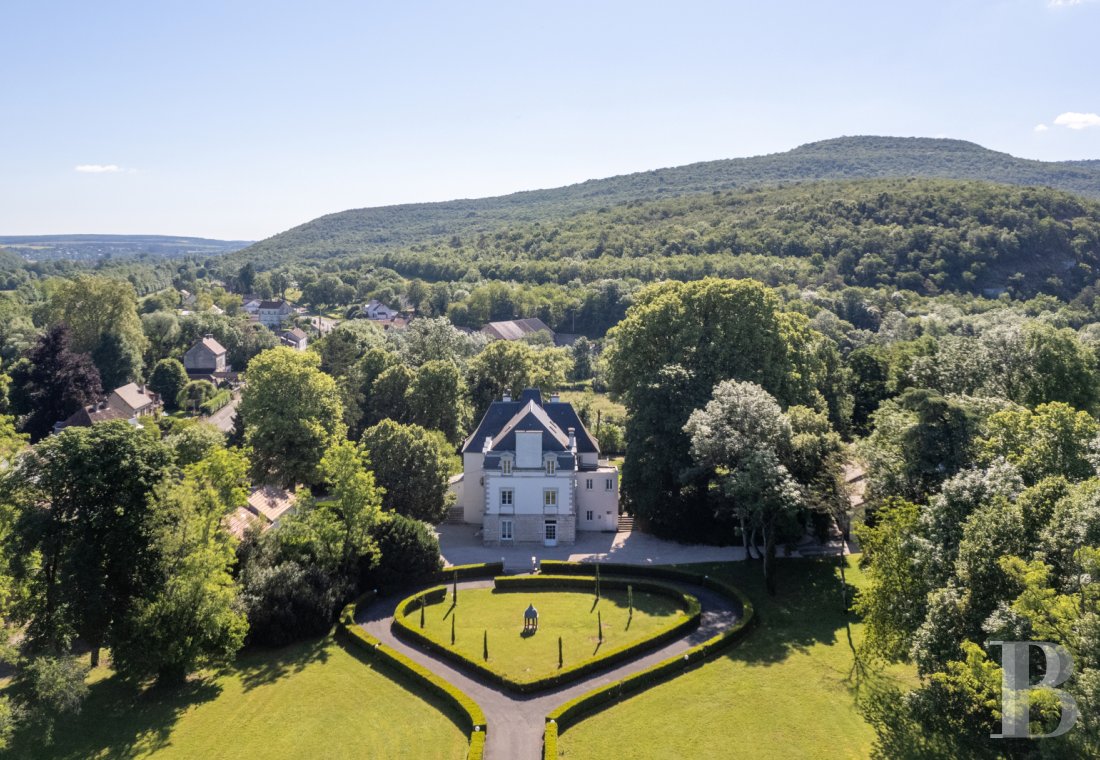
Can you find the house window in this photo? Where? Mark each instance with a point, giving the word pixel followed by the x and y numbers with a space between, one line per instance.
pixel 588 515
pixel 551 466
pixel 506 497
pixel 588 484
pixel 506 466
pixel 505 530
pixel 610 484
pixel 550 497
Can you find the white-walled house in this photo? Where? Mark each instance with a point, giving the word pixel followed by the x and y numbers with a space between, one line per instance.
pixel 273 314
pixel 532 473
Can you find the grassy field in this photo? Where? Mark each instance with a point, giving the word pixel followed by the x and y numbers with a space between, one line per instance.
pixel 311 700
pixel 788 691
pixel 569 614
pixel 601 402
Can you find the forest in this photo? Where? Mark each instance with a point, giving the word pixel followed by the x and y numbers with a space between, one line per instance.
pixel 375 229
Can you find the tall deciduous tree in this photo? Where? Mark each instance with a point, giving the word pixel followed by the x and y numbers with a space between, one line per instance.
pixel 509 365
pixel 677 342
pixel 54 383
pixel 389 395
pixel 743 435
pixel 102 314
pixel 192 618
pixel 335 533
pixel 292 415
pixel 1053 439
pixel 411 464
pixel 86 531
pixel 168 379
pixel 437 399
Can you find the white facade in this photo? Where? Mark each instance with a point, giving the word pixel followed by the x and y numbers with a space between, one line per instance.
pixel 274 313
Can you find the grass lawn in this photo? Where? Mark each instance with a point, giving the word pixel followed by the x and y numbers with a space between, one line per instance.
pixel 601 402
pixel 309 700
pixel 788 691
pixel 569 614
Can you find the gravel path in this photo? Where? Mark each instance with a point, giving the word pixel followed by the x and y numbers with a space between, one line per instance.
pixel 516 721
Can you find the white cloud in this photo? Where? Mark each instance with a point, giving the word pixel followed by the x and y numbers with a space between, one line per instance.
pixel 1041 127
pixel 1075 120
pixel 97 168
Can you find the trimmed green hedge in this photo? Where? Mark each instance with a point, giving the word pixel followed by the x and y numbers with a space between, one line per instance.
pixel 470 572
pixel 550 741
pixel 474 718
pixel 572 711
pixel 218 401
pixel 517 582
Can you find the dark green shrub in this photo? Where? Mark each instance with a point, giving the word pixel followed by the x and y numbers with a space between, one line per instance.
pixel 288 602
pixel 409 553
pixel 167 380
pixel 219 400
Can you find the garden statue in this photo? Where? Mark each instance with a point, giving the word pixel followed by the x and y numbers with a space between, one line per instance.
pixel 530 619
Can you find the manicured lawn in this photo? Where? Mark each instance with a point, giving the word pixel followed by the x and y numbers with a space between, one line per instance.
pixel 788 691
pixel 569 614
pixel 312 700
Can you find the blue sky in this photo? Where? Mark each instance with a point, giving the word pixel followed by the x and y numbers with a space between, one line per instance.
pixel 239 119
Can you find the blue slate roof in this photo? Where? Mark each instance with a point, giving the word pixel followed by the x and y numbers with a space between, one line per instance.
pixel 555 418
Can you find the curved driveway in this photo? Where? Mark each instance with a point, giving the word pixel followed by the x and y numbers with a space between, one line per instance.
pixel 516 721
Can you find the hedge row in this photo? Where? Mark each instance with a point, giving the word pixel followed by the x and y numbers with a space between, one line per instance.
pixel 218 401
pixel 550 741
pixel 474 718
pixel 514 583
pixel 469 572
pixel 572 711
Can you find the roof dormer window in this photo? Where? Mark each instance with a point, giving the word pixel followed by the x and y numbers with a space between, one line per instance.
pixel 551 466
pixel 506 466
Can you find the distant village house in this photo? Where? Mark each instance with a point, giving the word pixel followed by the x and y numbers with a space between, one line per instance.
pixel 129 402
pixel 295 338
pixel 274 314
pixel 375 309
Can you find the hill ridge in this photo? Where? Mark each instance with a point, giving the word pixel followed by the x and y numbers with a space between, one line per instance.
pixel 377 228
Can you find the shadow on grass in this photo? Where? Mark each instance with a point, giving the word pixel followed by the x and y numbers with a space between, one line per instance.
pixel 116 722
pixel 263 666
pixel 809 606
pixel 407 683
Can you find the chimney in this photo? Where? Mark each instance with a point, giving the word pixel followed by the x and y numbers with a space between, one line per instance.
pixel 488 444
pixel 209 336
pixel 141 389
pixel 572 439
pixel 554 398
pixel 507 396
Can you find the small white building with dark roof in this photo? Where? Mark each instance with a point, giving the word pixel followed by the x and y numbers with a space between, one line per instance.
pixel 532 473
pixel 274 313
